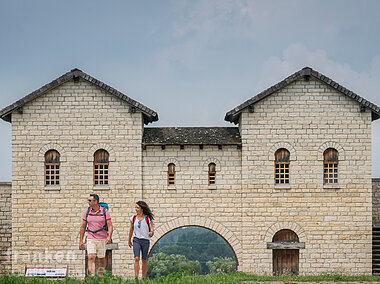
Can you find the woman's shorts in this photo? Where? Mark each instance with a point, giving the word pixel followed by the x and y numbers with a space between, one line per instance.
pixel 140 245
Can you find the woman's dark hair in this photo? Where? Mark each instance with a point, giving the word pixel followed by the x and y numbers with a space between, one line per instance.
pixel 146 209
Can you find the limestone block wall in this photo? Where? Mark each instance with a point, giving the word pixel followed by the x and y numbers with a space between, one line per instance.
pixel 76 119
pixel 306 118
pixel 192 202
pixel 5 225
pixel 376 202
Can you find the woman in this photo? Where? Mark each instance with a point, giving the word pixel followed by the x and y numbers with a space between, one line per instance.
pixel 142 228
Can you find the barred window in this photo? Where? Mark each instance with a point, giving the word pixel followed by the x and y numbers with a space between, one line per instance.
pixel 52 167
pixel 282 163
pixel 171 174
pixel 330 166
pixel 211 173
pixel 101 167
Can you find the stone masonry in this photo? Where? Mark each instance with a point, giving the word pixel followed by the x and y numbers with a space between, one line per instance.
pixel 76 119
pixel 192 201
pixel 5 225
pixel 376 202
pixel 305 116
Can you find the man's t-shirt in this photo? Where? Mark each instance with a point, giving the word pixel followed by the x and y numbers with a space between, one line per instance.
pixel 96 222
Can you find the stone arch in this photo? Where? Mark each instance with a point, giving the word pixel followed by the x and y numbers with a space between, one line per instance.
pixel 212 160
pixel 164 172
pixel 331 144
pixel 52 146
pixel 95 147
pixel 169 161
pixel 296 228
pixel 279 145
pixel 206 223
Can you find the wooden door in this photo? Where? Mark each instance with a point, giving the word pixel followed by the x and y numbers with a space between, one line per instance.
pixel 285 261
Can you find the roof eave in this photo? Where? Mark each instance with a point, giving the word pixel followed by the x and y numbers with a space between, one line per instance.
pixel 191 144
pixel 233 115
pixel 148 114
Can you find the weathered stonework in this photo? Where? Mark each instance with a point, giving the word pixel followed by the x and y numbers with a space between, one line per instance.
pixel 192 201
pixel 336 222
pixel 79 118
pixel 306 117
pixel 5 225
pixel 376 202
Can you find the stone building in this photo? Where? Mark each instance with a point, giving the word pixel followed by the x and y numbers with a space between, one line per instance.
pixel 289 188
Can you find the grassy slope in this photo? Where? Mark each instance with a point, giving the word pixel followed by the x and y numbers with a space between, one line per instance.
pixel 182 278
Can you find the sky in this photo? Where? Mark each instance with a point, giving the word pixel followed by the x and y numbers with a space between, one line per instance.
pixel 190 61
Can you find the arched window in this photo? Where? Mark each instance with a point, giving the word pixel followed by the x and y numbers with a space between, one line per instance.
pixel 211 173
pixel 330 166
pixel 101 166
pixel 282 163
pixel 171 174
pixel 52 167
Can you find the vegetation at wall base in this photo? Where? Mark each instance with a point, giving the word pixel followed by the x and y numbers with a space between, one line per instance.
pixel 184 277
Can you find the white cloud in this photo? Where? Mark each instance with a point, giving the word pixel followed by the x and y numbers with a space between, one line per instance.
pixel 296 56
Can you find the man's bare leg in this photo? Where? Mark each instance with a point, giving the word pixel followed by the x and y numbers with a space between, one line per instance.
pixel 102 266
pixel 91 263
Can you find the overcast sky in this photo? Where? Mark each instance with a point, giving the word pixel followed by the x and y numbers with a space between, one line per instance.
pixel 190 61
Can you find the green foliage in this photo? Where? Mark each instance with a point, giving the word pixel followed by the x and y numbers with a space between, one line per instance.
pixel 162 265
pixel 222 265
pixel 185 278
pixel 195 243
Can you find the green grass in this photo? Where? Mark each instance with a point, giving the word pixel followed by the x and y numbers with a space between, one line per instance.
pixel 179 277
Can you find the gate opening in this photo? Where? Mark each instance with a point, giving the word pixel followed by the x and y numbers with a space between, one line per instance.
pixel 195 249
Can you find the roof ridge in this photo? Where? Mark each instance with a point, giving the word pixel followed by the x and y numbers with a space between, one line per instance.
pixel 149 115
pixel 233 115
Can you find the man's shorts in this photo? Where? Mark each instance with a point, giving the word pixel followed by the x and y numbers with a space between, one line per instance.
pixel 96 246
pixel 140 245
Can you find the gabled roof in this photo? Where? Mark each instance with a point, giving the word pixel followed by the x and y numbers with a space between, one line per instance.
pixel 75 74
pixel 307 72
pixel 191 136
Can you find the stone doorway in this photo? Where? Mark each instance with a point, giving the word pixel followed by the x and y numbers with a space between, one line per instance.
pixel 285 245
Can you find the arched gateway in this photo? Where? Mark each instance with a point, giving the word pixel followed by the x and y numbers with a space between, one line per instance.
pixel 206 223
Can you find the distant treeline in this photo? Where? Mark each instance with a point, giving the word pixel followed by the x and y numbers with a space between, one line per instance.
pixel 196 244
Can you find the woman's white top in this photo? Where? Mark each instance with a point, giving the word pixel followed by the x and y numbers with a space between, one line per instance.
pixel 142 232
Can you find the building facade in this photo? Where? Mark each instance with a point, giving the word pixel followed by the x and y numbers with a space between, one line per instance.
pixel 289 188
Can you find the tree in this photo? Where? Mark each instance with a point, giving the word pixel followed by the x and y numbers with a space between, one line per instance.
pixel 162 264
pixel 222 265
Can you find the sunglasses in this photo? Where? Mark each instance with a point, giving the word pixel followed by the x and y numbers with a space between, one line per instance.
pixel 89 200
pixel 139 224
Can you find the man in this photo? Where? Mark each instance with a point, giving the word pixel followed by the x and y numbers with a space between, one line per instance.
pixel 97 237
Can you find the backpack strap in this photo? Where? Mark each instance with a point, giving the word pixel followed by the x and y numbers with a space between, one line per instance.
pixel 88 212
pixel 105 218
pixel 134 219
pixel 147 221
